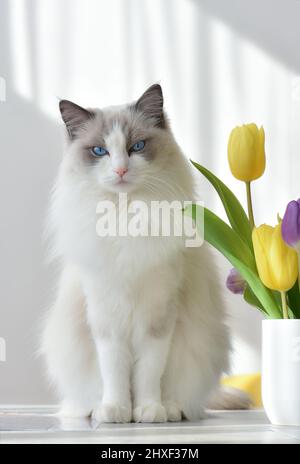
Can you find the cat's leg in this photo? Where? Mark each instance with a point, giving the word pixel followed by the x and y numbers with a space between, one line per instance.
pixel 147 374
pixel 187 378
pixel 168 391
pixel 113 352
pixel 115 362
pixel 151 356
pixel 69 349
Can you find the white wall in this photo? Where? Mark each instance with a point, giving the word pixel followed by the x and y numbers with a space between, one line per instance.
pixel 221 63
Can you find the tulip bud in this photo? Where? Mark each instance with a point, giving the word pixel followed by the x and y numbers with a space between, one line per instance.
pixel 276 262
pixel 246 152
pixel 235 282
pixel 290 226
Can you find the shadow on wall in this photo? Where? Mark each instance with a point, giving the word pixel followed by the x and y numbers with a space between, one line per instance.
pixel 272 25
pixel 30 148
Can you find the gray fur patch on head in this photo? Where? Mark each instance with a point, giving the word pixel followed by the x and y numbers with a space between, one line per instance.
pixel 140 121
pixel 151 105
pixel 134 125
pixel 74 116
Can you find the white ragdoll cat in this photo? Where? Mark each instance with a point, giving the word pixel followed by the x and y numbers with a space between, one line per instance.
pixel 137 331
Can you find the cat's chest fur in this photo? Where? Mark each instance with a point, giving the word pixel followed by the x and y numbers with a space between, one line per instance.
pixel 129 280
pixel 129 257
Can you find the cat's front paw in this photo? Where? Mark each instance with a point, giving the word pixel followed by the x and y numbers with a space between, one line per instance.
pixel 153 412
pixel 111 413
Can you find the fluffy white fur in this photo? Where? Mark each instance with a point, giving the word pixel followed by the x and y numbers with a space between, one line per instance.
pixel 137 331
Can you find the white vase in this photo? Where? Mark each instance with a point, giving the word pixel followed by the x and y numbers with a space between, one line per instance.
pixel 281 370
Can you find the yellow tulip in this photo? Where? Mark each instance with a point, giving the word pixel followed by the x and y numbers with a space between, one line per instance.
pixel 246 152
pixel 277 264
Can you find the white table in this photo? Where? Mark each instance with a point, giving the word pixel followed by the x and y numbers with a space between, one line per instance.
pixel 40 425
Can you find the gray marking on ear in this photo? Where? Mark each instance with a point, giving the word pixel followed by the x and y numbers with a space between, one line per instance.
pixel 74 116
pixel 151 105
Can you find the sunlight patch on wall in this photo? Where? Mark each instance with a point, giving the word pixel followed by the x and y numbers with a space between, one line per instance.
pixel 20 49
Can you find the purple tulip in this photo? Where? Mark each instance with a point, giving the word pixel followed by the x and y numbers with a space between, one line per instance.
pixel 290 226
pixel 235 282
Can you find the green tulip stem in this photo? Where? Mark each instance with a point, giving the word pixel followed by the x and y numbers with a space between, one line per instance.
pixel 249 204
pixel 284 305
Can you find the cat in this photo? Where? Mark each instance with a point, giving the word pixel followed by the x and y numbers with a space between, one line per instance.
pixel 137 332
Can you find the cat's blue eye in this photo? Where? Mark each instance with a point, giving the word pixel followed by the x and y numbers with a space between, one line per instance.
pixel 138 146
pixel 99 151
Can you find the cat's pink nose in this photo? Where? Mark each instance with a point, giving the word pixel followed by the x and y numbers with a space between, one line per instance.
pixel 121 171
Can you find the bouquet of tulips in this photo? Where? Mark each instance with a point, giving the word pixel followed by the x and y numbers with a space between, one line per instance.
pixel 265 258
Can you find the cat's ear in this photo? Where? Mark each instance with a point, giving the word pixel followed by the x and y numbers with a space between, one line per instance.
pixel 74 116
pixel 151 105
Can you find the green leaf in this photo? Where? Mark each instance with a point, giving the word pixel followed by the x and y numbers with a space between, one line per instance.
pixel 228 242
pixel 294 300
pixel 234 210
pixel 263 294
pixel 221 236
pixel 251 299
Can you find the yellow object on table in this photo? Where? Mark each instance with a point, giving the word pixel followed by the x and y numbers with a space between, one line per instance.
pixel 249 383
